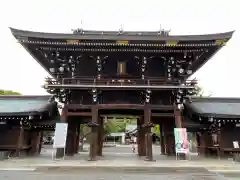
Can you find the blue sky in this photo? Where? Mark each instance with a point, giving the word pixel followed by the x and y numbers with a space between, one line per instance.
pixel 20 72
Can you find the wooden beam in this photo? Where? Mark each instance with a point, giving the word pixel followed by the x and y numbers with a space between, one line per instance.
pixel 161 107
pixel 79 114
pixel 120 106
pixel 78 106
pixel 116 87
pixel 163 114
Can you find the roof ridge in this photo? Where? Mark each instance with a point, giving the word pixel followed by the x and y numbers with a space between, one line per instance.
pixel 216 99
pixel 127 35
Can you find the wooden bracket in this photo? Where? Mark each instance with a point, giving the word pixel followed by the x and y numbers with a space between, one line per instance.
pixel 92 124
pixel 149 124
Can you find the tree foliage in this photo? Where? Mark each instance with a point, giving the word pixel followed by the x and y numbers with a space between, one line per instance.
pixel 114 125
pixel 84 131
pixel 157 130
pixel 200 91
pixel 8 92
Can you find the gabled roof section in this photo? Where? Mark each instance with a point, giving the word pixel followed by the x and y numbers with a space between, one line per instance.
pixel 127 35
pixel 189 123
pixel 51 122
pixel 25 105
pixel 215 107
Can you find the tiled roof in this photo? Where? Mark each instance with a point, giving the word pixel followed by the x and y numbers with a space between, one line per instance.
pixel 216 107
pixel 24 105
pixel 188 123
pixel 127 35
pixel 51 122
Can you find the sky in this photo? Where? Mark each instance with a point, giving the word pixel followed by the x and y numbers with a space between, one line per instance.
pixel 20 72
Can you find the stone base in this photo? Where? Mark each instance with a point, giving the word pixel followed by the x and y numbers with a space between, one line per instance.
pixel 149 159
pixel 92 159
pixel 59 153
pixel 181 156
pixel 236 157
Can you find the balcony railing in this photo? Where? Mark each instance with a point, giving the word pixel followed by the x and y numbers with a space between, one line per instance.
pixel 85 81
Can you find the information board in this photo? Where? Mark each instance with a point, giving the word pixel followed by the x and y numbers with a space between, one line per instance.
pixel 60 135
pixel 181 140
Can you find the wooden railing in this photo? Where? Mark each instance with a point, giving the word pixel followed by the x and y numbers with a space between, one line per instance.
pixel 92 81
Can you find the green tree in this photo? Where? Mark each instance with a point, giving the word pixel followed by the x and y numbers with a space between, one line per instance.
pixel 8 92
pixel 157 129
pixel 110 126
pixel 84 131
pixel 200 91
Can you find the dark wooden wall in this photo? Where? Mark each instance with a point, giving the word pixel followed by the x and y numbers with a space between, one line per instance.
pixel 121 97
pixel 10 137
pixel 228 135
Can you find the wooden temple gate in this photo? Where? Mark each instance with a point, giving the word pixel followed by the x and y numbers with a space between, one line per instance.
pixel 145 122
pixel 94 72
pixel 215 133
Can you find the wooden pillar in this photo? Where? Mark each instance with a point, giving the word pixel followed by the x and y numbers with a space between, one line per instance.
pixel 170 143
pixel 138 137
pixel 162 140
pixel 19 141
pixel 71 141
pixel 63 118
pixel 203 136
pixel 77 137
pixel 93 135
pixel 141 137
pixel 100 137
pixel 168 137
pixel 219 152
pixel 165 134
pixel 178 118
pixel 147 123
pixel 74 138
pixel 35 140
pixel 40 142
pixel 81 137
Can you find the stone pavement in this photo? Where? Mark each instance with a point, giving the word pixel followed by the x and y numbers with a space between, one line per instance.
pixel 212 165
pixel 118 158
pixel 92 175
pixel 116 168
pixel 117 163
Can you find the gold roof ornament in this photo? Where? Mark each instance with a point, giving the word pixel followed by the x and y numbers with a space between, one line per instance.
pixel 221 42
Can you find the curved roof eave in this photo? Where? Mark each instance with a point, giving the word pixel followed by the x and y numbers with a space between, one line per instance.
pixel 41 97
pixel 223 116
pixel 113 35
pixel 216 99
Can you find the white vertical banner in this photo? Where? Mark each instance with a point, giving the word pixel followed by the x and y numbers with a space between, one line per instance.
pixel 60 135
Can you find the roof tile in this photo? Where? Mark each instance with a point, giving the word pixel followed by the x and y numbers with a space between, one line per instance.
pixel 220 107
pixel 23 104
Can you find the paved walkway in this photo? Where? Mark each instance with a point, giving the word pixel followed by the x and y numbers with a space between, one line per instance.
pixel 117 162
pixel 117 158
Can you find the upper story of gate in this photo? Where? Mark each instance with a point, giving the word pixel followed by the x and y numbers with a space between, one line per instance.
pixel 120 56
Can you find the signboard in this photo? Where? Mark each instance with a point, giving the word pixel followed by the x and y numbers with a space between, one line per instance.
pixel 235 144
pixel 181 140
pixel 60 135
